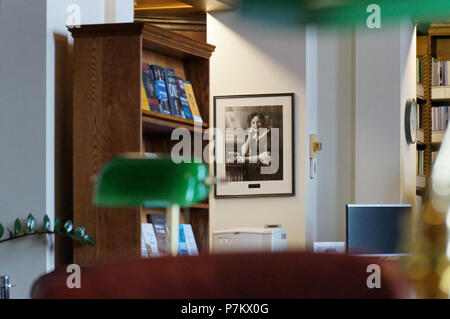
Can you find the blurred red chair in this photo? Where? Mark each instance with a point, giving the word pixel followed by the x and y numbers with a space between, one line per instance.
pixel 233 276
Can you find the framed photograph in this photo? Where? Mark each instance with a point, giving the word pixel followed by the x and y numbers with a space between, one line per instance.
pixel 254 145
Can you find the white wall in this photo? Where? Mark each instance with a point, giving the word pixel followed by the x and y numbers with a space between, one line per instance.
pixel 312 96
pixel 34 97
pixel 119 11
pixel 252 58
pixel 23 160
pixel 408 91
pixel 335 129
pixel 384 79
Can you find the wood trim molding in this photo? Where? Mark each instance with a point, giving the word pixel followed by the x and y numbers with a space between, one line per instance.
pixel 153 36
pixel 113 29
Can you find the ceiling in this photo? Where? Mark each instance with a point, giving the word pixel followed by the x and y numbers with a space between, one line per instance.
pixel 143 7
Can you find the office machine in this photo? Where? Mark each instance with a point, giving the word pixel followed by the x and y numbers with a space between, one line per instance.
pixel 271 238
pixel 378 230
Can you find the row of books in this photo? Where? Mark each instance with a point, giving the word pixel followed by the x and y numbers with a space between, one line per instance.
pixel 420 164
pixel 440 73
pixel 164 92
pixel 419 116
pixel 439 118
pixel 420 161
pixel 418 70
pixel 155 239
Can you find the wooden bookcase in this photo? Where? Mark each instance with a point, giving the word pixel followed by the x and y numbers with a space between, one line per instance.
pixel 108 120
pixel 432 43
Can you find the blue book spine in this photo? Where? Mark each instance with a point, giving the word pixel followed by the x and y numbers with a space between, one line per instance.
pixel 182 245
pixel 160 88
pixel 172 92
pixel 183 99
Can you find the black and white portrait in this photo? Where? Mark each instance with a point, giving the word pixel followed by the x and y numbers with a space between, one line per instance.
pixel 255 149
pixel 254 143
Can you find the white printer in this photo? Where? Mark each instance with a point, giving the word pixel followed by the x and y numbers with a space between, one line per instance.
pixel 271 238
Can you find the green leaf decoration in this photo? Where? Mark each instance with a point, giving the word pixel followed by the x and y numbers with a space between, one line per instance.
pixel 57 227
pixel 68 226
pixel 30 228
pixel 88 240
pixel 79 232
pixel 17 226
pixel 31 223
pixel 46 223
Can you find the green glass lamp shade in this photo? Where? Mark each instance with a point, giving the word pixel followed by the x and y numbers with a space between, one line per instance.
pixel 343 12
pixel 150 183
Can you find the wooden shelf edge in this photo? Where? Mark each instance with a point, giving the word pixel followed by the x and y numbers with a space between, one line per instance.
pixel 158 122
pixel 108 29
pixel 171 118
pixel 420 190
pixel 200 205
pixel 437 137
pixel 420 137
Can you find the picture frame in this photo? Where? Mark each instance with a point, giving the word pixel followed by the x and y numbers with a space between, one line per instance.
pixel 254 145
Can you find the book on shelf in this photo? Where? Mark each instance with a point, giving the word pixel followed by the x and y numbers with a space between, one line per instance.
pixel 420 162
pixel 440 72
pixel 149 244
pixel 148 82
pixel 439 118
pixel 172 92
pixel 192 102
pixel 187 244
pixel 150 155
pixel 161 89
pixel 161 232
pixel 418 70
pixel 418 116
pixel 144 100
pixel 437 136
pixel 183 99
pixel 182 245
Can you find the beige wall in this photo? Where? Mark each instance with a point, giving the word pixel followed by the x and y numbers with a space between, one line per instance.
pixel 253 58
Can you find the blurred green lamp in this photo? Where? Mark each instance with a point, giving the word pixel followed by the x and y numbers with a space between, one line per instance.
pixel 132 181
pixel 343 12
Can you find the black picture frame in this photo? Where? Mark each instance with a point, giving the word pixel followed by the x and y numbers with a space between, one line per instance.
pixel 279 108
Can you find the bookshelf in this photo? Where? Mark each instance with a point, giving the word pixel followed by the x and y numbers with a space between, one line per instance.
pixel 108 120
pixel 432 43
